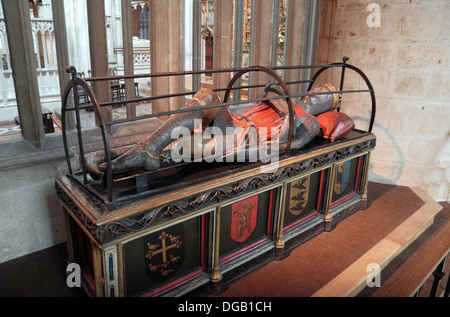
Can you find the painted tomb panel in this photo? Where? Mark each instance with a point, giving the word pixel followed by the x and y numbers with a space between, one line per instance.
pixel 346 179
pixel 303 199
pixel 163 257
pixel 245 223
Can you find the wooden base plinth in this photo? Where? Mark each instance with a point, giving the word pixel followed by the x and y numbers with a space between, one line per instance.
pixel 353 279
pixel 215 224
pixel 329 225
pixel 396 218
pixel 216 287
pixel 279 254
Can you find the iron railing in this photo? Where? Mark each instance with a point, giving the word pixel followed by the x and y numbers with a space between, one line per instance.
pixel 83 83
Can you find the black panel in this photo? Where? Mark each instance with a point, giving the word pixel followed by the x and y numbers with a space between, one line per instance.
pixel 344 178
pixel 161 257
pixel 302 196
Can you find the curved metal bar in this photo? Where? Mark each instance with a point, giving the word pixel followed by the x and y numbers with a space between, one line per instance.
pixel 283 86
pixel 81 82
pixel 366 79
pixel 65 97
pixel 72 70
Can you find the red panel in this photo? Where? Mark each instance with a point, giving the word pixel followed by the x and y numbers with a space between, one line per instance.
pixel 269 218
pixel 358 173
pixel 244 215
pixel 321 186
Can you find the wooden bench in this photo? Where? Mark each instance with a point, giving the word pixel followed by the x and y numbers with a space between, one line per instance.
pixel 46 118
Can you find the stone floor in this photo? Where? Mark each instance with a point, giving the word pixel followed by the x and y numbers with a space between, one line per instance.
pixel 10 131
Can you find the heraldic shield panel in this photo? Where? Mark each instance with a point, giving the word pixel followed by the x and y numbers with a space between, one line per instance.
pixel 345 179
pixel 303 197
pixel 245 222
pixel 161 257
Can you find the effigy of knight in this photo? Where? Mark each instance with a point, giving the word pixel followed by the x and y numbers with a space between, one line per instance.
pixel 223 131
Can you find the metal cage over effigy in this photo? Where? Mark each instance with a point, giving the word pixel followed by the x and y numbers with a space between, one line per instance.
pixel 85 84
pixel 191 228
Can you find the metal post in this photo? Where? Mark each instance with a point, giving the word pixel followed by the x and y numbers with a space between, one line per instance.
pixel 438 276
pixel 344 62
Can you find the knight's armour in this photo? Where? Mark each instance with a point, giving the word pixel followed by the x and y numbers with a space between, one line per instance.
pixel 271 115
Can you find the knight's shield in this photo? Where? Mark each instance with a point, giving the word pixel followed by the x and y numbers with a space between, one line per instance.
pixel 243 219
pixel 342 177
pixel 164 253
pixel 299 194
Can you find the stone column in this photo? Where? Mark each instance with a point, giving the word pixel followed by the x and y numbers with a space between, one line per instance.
pixel 196 43
pixel 310 41
pixel 127 36
pixel 223 39
pixel 238 43
pixel 99 53
pixel 23 62
pixel 62 55
pixel 260 50
pixel 294 41
pixel 164 52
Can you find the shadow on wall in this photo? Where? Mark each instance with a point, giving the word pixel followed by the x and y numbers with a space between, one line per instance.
pixel 395 173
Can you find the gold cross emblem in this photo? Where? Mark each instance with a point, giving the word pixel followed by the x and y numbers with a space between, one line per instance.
pixel 167 259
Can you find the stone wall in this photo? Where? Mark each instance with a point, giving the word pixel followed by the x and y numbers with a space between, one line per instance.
pixel 407 61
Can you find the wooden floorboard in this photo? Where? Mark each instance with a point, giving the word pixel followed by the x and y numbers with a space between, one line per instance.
pixel 353 279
